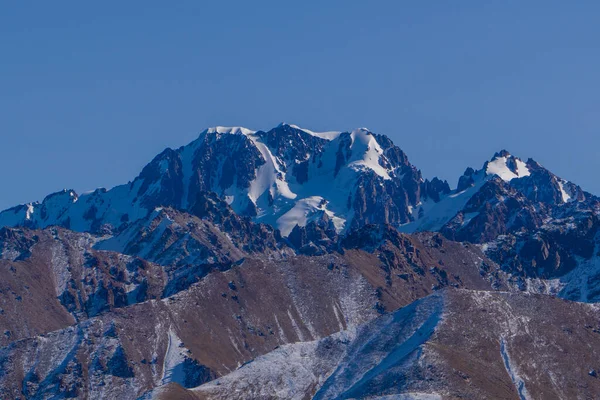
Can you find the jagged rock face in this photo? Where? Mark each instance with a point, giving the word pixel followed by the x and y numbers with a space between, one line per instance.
pixel 189 247
pixel 52 278
pixel 550 252
pixel 537 226
pixel 506 196
pixel 316 238
pixel 250 237
pixel 435 189
pixel 545 187
pixel 164 172
pixel 496 209
pixel 175 239
pixel 74 276
pixel 220 162
pixel 427 260
pixel 306 149
pixel 381 202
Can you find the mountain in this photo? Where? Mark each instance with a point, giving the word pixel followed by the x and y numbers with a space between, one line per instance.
pixel 506 194
pixel 228 318
pixel 285 177
pixel 291 176
pixel 439 347
pixel 297 264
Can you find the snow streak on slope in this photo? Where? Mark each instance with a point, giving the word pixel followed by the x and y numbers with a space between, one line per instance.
pixel 382 345
pixel 119 243
pixel 269 176
pixel 566 197
pixel 284 202
pixel 519 384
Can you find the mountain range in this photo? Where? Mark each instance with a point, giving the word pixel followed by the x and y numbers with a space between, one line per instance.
pixel 296 264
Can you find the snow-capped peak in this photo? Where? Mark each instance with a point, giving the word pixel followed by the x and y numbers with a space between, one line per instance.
pixel 261 174
pixel 329 135
pixel 367 152
pixel 506 166
pixel 234 130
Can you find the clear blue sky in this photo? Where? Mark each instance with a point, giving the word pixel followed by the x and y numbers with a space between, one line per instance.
pixel 91 91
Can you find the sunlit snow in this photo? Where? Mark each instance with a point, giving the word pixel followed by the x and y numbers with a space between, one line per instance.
pixel 499 166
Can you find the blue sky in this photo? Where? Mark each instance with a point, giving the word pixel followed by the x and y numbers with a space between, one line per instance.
pixel 90 92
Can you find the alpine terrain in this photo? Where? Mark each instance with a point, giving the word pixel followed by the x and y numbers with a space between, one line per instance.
pixel 292 264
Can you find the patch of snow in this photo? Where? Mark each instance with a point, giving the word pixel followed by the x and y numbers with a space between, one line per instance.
pixel 173 358
pixel 366 153
pixel 280 331
pixel 337 316
pixel 499 167
pixel 29 211
pixel 583 282
pixel 304 211
pixel 467 217
pixel 522 169
pixel 330 135
pixel 234 130
pixel 59 264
